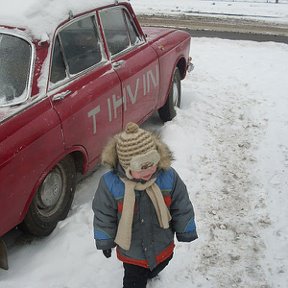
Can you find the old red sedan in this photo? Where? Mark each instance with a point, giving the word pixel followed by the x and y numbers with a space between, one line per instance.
pixel 67 83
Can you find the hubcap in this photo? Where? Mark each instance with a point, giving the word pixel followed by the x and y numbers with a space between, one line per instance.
pixel 50 191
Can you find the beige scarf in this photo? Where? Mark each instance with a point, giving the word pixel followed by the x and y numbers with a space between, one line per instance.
pixel 124 232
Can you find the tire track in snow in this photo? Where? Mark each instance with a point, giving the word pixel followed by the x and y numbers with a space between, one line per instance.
pixel 232 202
pixel 215 137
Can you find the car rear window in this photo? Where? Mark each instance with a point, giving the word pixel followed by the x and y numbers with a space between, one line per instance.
pixel 15 65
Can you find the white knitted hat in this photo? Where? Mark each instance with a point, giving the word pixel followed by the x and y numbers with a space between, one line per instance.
pixel 136 148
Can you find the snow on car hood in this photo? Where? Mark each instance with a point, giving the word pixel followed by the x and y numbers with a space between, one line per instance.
pixel 41 17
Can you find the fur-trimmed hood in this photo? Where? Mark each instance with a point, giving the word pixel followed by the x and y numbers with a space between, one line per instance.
pixel 110 158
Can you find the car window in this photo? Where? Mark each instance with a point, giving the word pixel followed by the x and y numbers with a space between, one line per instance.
pixel 115 29
pixel 81 45
pixel 58 71
pixel 77 47
pixel 134 36
pixel 15 65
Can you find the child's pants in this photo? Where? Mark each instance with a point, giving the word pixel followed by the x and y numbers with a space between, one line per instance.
pixel 137 276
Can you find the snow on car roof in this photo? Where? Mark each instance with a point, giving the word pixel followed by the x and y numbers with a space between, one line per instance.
pixel 41 17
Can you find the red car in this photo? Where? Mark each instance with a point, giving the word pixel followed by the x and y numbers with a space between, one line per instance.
pixel 63 95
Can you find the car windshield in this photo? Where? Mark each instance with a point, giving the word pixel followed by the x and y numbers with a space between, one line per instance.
pixel 15 59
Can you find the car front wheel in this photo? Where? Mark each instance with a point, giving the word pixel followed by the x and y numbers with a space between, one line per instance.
pixel 168 111
pixel 52 200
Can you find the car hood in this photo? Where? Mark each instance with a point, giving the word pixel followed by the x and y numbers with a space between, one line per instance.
pixel 155 33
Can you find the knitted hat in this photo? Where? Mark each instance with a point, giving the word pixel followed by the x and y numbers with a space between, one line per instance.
pixel 136 148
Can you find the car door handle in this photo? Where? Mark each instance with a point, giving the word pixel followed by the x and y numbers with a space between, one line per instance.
pixel 61 96
pixel 117 64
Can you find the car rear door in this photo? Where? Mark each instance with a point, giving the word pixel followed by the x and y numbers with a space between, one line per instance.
pixel 83 86
pixel 135 62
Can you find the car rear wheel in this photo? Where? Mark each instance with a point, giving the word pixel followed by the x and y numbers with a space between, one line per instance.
pixel 168 111
pixel 52 200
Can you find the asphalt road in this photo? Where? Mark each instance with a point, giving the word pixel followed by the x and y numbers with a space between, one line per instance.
pixel 239 36
pixel 226 28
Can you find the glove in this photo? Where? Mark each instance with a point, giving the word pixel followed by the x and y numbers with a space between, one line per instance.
pixel 107 253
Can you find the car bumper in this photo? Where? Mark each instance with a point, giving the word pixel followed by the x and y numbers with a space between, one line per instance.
pixel 190 65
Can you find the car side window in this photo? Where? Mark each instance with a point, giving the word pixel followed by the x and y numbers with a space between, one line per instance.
pixel 134 36
pixel 81 45
pixel 77 47
pixel 115 29
pixel 58 71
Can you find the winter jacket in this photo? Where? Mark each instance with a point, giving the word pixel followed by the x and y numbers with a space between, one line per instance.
pixel 150 243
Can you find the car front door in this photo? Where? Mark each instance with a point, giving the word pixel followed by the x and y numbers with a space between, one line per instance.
pixel 83 86
pixel 135 62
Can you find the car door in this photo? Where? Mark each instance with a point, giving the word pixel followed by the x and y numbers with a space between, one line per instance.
pixel 30 132
pixel 135 62
pixel 83 86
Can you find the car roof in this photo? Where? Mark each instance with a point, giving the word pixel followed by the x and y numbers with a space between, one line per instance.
pixel 41 17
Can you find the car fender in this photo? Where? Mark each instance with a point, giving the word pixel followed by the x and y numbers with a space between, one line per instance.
pixel 82 168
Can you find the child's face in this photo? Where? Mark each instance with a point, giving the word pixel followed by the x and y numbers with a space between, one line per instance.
pixel 144 174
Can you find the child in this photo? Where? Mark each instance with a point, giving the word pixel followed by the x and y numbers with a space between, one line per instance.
pixel 140 204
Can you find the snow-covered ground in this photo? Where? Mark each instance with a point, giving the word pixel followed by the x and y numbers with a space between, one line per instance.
pixel 245 9
pixel 230 142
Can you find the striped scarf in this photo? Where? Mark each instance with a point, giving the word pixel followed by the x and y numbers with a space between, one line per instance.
pixel 124 232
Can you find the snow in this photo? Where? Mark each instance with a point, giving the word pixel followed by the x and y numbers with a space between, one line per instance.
pixel 230 143
pixel 243 9
pixel 43 16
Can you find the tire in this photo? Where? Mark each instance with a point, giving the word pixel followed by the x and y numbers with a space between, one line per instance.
pixel 52 200
pixel 168 111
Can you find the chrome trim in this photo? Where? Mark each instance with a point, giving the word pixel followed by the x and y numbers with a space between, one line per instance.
pixel 61 96
pixel 117 64
pixel 190 65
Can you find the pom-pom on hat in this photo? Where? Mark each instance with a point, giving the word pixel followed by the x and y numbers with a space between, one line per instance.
pixel 136 148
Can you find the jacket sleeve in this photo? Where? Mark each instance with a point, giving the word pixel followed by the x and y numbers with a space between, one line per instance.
pixel 182 212
pixel 105 217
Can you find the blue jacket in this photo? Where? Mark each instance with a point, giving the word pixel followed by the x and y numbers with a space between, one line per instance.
pixel 150 243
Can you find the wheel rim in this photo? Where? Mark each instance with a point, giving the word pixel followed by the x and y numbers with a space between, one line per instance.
pixel 51 192
pixel 175 94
